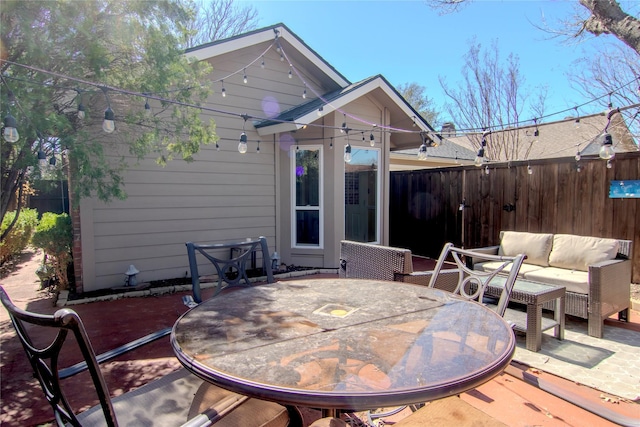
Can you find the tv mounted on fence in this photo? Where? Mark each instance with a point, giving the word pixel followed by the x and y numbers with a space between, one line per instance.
pixel 624 189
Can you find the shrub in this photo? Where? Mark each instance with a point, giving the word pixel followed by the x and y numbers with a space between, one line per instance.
pixel 54 234
pixel 20 235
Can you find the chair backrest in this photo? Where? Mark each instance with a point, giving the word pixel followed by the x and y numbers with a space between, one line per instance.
pixel 230 262
pixel 471 284
pixel 44 357
pixel 368 261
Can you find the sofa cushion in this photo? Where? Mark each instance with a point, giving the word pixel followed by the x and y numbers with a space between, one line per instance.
pixel 574 280
pixel 579 252
pixel 536 246
pixel 492 265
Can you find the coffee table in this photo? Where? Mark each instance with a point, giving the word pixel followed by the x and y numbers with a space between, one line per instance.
pixel 534 295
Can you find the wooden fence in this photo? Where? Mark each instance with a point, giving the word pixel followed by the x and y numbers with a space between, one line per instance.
pixel 468 207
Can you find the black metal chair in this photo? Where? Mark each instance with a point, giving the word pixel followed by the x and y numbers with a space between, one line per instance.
pixel 167 401
pixel 471 284
pixel 230 269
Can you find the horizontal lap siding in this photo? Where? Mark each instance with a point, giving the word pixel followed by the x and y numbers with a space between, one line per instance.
pixel 220 196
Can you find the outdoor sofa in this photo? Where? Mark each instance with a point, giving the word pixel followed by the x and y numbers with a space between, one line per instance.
pixel 596 272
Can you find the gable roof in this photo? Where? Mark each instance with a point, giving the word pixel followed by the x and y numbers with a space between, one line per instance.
pixel 555 139
pixel 300 50
pixel 298 116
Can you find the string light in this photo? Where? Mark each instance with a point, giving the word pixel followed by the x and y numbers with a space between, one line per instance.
pixel 262 65
pixel 486 170
pixel 10 132
pixel 347 153
pixel 422 151
pixel 320 109
pixel 242 145
pixel 606 151
pixel 223 91
pixel 108 124
pixel 244 77
pixel 529 170
pixel 147 108
pixel 372 140
pixel 609 164
pixel 304 94
pixel 480 156
pixel 343 128
pixel 577 122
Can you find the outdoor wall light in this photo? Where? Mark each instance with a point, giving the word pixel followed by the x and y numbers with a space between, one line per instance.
pixel 606 152
pixel 10 132
pixel 131 273
pixel 242 146
pixel 108 124
pixel 347 153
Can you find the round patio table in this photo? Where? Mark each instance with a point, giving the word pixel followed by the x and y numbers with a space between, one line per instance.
pixel 343 344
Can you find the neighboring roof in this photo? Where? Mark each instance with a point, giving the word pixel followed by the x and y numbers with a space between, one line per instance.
pixel 556 139
pixel 445 150
pixel 262 35
pixel 296 117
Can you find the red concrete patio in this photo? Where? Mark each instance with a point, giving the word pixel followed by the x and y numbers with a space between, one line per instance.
pixel 507 398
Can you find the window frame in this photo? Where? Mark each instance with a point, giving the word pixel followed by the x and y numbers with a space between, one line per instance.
pixel 295 208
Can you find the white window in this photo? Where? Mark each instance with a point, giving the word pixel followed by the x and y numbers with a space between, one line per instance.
pixel 362 195
pixel 306 197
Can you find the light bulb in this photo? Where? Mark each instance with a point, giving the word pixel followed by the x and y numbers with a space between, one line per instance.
pixel 224 93
pixel 606 152
pixel 422 152
pixel 576 124
pixel 609 164
pixel 217 147
pixel 479 158
pixel 486 170
pixel 290 74
pixel 242 146
pixel 262 63
pixel 304 94
pixel 108 125
pixel 10 132
pixel 244 78
pixel 347 153
pixel 81 112
pixel 529 170
pixel 147 109
pixel 578 156
pixel 372 140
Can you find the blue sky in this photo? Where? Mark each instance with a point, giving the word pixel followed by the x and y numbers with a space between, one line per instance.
pixel 407 41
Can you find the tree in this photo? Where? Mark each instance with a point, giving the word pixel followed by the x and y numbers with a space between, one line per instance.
pixel 218 19
pixel 489 99
pixel 415 95
pixel 601 17
pixel 64 56
pixel 614 71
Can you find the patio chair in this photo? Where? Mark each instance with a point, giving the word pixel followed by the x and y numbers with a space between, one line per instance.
pixel 471 284
pixel 167 401
pixel 232 270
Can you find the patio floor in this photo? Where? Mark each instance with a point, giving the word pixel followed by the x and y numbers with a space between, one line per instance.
pixel 525 394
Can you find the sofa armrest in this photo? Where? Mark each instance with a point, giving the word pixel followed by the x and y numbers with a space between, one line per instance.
pixel 489 250
pixel 609 286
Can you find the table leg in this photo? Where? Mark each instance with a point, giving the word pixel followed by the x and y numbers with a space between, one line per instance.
pixel 534 327
pixel 329 413
pixel 559 316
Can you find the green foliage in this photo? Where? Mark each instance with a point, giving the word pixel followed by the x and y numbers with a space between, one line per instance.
pixel 20 235
pixel 54 235
pixel 132 46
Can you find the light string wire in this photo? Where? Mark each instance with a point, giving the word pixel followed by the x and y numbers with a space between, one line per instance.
pixel 276 42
